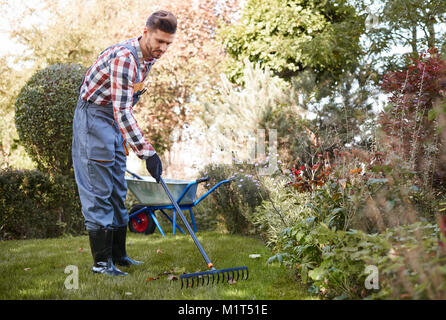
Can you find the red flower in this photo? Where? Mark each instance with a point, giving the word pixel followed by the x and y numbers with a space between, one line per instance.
pixel 302 167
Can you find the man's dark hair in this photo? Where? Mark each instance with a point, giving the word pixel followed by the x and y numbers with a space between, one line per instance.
pixel 162 20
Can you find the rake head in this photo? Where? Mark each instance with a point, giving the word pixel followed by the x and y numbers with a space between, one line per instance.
pixel 205 277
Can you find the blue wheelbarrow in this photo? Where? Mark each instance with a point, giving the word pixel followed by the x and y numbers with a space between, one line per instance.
pixel 152 197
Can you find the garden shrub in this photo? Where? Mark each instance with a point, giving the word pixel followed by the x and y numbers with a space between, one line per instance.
pixel 282 208
pixel 236 201
pixel 322 258
pixel 356 189
pixel 343 213
pixel 333 262
pixel 44 112
pixel 36 205
pixel 409 125
pixel 414 267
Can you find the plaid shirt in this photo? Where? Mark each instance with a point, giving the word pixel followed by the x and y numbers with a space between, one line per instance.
pixel 111 79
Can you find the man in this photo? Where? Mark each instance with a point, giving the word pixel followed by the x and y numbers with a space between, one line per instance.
pixel 104 127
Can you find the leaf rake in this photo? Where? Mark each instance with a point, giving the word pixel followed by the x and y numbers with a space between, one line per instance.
pixel 230 274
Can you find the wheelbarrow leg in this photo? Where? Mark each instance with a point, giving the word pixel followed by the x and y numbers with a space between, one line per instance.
pixel 168 218
pixel 156 222
pixel 193 220
pixel 175 219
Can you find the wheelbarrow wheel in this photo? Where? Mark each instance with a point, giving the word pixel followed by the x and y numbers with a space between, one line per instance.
pixel 142 222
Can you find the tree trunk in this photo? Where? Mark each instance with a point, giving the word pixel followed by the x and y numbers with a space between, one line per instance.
pixel 413 42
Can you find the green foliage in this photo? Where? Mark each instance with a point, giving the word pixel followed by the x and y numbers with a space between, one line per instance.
pixel 325 258
pixel 355 214
pixel 414 266
pixel 282 208
pixel 242 108
pixel 289 122
pixel 36 205
pixel 333 262
pixel 44 112
pixel 289 36
pixel 236 201
pixel 412 23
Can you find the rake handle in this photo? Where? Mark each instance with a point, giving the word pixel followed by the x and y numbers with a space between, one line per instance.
pixel 189 229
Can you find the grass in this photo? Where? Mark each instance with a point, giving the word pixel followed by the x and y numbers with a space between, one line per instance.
pixel 34 269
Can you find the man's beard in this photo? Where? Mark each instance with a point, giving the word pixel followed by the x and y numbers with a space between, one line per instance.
pixel 153 53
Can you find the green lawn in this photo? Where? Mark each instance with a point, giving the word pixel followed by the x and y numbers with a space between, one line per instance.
pixel 34 269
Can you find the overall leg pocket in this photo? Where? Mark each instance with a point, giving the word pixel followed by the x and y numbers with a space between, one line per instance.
pixel 101 139
pixel 100 210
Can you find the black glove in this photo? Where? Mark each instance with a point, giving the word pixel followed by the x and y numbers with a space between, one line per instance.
pixel 154 166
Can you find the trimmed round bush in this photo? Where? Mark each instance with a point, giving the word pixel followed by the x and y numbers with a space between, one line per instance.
pixel 44 112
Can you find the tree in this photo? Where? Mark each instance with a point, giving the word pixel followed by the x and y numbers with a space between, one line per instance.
pixel 315 46
pixel 406 18
pixel 418 25
pixel 289 36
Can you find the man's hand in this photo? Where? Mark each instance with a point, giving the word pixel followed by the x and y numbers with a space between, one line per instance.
pixel 154 166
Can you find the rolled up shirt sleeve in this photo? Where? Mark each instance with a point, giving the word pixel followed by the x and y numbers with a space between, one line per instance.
pixel 122 77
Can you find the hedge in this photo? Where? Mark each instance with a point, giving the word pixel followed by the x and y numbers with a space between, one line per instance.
pixel 36 205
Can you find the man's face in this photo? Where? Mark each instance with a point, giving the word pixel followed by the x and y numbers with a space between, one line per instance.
pixel 155 43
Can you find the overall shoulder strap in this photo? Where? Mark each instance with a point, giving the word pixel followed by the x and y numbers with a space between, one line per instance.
pixel 134 53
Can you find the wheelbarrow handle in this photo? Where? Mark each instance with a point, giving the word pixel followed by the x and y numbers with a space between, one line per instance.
pixel 204 179
pixel 211 190
pixel 135 175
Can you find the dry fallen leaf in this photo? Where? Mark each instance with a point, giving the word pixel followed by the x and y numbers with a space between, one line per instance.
pixel 27 269
pixel 159 251
pixel 172 277
pixel 165 273
pixel 81 249
pixel 232 281
pixel 151 279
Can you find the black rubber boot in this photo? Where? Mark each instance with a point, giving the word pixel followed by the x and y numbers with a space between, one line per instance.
pixel 119 253
pixel 101 248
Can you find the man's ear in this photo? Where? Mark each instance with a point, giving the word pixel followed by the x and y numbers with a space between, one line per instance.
pixel 148 31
